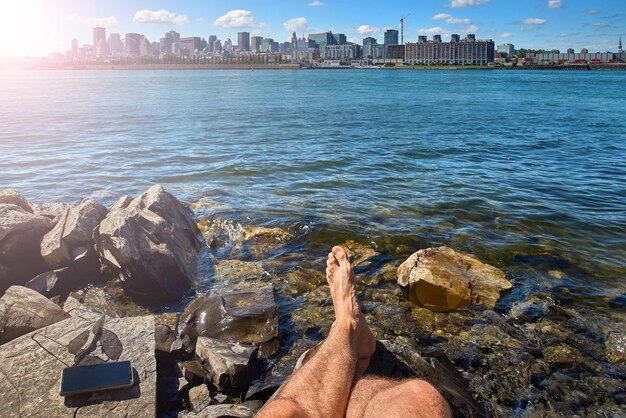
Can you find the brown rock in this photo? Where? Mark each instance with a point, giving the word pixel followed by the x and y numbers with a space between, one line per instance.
pixel 14 198
pixel 199 397
pixel 23 310
pixel 442 279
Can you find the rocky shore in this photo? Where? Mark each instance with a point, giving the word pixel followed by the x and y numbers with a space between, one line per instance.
pixel 85 284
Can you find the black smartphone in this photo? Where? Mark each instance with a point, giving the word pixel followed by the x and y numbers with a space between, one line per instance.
pixel 96 377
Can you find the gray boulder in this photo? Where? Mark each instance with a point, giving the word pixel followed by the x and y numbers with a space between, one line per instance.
pixel 166 341
pixel 122 203
pixel 20 234
pixel 52 210
pixel 230 366
pixel 32 367
pixel 153 244
pixel 442 279
pixel 199 397
pixel 23 310
pixel 14 198
pixel 247 316
pixel 73 229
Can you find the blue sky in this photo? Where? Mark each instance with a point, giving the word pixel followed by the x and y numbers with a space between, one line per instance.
pixel 45 25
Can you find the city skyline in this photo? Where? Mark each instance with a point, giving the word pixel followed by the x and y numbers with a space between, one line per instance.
pixel 552 24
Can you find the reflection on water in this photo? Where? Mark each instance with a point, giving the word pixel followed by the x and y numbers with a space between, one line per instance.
pixel 525 170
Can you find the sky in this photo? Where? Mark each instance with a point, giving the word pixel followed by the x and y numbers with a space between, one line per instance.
pixel 39 27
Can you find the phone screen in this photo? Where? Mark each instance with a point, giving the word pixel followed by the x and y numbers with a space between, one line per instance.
pixel 96 377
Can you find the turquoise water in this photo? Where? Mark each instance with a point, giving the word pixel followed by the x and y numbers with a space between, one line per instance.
pixel 526 170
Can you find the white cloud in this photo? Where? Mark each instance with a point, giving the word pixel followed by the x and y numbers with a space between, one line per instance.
pixel 505 35
pixel 162 17
pixel 471 29
pixel 105 22
pixel 555 4
pixel 353 40
pixel 455 21
pixel 436 30
pixel 297 24
pixel 592 11
pixel 458 4
pixel 237 19
pixel 316 3
pixel 534 21
pixel 441 16
pixel 463 24
pixel 366 29
pixel 600 24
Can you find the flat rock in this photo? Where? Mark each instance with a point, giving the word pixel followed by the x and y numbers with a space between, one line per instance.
pixel 230 366
pixel 42 355
pixel 248 316
pixel 260 241
pixel 14 198
pixel 23 310
pixel 616 347
pixel 152 243
pixel 442 279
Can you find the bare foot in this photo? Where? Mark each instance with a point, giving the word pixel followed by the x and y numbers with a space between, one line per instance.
pixel 342 283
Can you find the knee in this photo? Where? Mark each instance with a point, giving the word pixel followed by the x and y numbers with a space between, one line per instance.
pixel 280 408
pixel 427 395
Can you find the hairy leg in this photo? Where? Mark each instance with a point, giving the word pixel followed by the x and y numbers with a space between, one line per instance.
pixel 413 398
pixel 321 387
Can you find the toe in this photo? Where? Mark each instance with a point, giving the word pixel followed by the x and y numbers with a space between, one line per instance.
pixel 340 254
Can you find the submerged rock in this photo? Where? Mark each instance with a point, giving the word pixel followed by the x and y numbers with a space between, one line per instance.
pixel 230 366
pixel 248 316
pixel 32 366
pixel 561 355
pixel 152 243
pixel 442 279
pixel 23 310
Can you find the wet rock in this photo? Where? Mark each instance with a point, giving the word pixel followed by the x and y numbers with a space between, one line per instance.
pixel 561 355
pixel 230 366
pixel 302 281
pixel 246 409
pixel 442 279
pixel 359 253
pixel 122 203
pixel 260 241
pixel 153 244
pixel 245 316
pixel 20 234
pixel 166 341
pixel 529 311
pixel 12 197
pixel 199 398
pixel 40 357
pixel 616 347
pixel 23 310
pixel 234 270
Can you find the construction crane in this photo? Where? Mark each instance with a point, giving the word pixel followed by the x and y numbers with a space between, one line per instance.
pixel 402 28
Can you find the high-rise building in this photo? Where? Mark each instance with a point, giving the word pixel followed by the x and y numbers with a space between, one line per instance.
pixel 569 50
pixel 509 50
pixel 323 39
pixel 132 43
pixel 115 44
pixel 368 44
pixel 340 38
pixel 422 38
pixel 455 38
pixel 437 38
pixel 228 45
pixel 189 46
pixel 217 46
pixel 391 37
pixel 266 45
pixel 294 47
pixel 255 43
pixel 211 42
pixel 99 34
pixel 467 51
pixel 243 41
pixel 74 47
pixel 342 52
pixel 470 37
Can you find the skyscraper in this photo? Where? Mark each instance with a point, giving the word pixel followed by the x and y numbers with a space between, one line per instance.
pixel 294 47
pixel 255 43
pixel 99 34
pixel 368 44
pixel 228 45
pixel 211 43
pixel 115 44
pixel 391 37
pixel 243 41
pixel 132 44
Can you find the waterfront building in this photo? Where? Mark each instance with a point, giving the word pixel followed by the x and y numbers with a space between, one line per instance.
pixel 266 44
pixel 217 46
pixel 322 40
pixel 145 47
pixel 467 51
pixel 395 52
pixel 342 52
pixel 454 38
pixel 115 44
pixel 294 47
pixel 391 37
pixel 368 44
pixel 506 50
pixel 168 40
pixel 102 49
pixel 284 47
pixel 570 50
pixel 340 38
pixel 99 34
pixel 132 43
pixel 190 45
pixel 422 38
pixel 255 43
pixel 243 41
pixel 379 51
pixel 437 38
pixel 582 58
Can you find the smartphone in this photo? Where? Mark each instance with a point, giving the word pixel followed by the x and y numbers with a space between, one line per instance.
pixel 96 377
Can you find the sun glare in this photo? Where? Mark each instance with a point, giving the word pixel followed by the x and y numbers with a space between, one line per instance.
pixel 28 28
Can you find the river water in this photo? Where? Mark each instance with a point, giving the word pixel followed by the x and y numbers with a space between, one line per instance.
pixel 525 170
